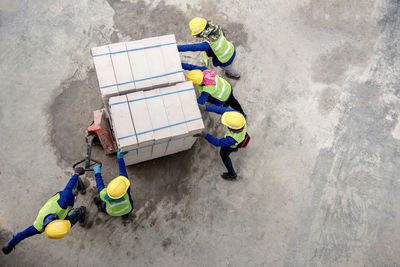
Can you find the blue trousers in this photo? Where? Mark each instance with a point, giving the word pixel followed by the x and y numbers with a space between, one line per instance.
pixel 224 153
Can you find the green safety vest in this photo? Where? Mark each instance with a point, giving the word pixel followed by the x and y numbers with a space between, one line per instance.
pixel 239 137
pixel 222 48
pixel 221 91
pixel 51 207
pixel 116 208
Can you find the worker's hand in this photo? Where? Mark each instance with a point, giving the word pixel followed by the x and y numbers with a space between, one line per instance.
pixel 120 155
pixel 97 169
pixel 202 107
pixel 79 170
pixel 202 134
pixel 6 250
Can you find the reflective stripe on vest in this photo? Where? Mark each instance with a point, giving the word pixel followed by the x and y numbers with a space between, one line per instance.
pixel 51 207
pixel 223 49
pixel 239 137
pixel 221 90
pixel 116 208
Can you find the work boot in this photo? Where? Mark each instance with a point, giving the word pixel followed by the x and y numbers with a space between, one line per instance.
pixel 97 201
pixel 229 176
pixel 6 250
pixel 231 72
pixel 82 218
pixel 81 187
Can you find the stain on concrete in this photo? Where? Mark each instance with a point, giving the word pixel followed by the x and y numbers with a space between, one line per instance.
pixel 328 99
pixel 132 20
pixel 140 20
pixel 166 243
pixel 352 18
pixel 331 68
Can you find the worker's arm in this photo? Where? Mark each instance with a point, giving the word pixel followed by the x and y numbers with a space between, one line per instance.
pixel 122 168
pixel 204 46
pixel 187 66
pixel 71 183
pixel 217 109
pixel 203 98
pixel 66 196
pixel 99 179
pixel 99 182
pixel 30 231
pixel 223 142
pixel 121 164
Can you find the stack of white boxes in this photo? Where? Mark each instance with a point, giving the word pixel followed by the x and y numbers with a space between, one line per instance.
pixel 153 111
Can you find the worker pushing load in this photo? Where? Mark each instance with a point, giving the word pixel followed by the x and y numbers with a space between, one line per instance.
pixel 214 45
pixel 115 199
pixel 235 138
pixel 212 88
pixel 55 218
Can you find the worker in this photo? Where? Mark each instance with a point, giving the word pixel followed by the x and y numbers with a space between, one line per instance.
pixel 235 138
pixel 56 217
pixel 115 199
pixel 214 44
pixel 212 87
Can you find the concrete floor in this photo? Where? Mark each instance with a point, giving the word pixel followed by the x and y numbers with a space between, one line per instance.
pixel 318 184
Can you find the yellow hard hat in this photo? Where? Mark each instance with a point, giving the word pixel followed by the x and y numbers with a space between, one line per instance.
pixel 57 229
pixel 196 76
pixel 233 119
pixel 118 187
pixel 197 25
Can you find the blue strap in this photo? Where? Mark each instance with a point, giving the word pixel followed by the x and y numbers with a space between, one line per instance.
pixel 135 49
pixel 157 129
pixel 144 98
pixel 157 76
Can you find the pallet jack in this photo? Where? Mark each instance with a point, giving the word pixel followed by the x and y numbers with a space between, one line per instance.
pixel 99 132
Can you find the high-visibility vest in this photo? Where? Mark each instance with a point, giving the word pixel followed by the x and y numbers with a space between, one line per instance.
pixel 51 207
pixel 222 48
pixel 116 208
pixel 239 137
pixel 221 90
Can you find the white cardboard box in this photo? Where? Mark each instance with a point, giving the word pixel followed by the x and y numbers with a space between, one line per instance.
pixel 190 108
pixel 171 59
pixel 122 68
pixel 141 118
pixel 139 64
pixel 124 130
pixel 105 72
pixel 157 71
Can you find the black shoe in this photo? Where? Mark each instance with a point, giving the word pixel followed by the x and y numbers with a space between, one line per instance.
pixel 229 176
pixel 81 187
pixel 97 201
pixel 231 76
pixel 6 250
pixel 82 219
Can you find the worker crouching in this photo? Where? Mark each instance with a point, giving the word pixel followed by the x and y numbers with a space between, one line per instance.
pixel 235 138
pixel 214 45
pixel 212 88
pixel 115 199
pixel 56 217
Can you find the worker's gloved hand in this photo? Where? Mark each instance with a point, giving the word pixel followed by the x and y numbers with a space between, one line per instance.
pixel 202 107
pixel 97 169
pixel 120 155
pixel 6 250
pixel 79 170
pixel 202 134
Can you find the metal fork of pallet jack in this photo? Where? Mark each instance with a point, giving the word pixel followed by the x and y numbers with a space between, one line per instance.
pixel 89 162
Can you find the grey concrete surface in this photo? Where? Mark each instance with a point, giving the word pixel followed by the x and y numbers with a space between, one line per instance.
pixel 318 183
